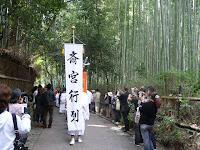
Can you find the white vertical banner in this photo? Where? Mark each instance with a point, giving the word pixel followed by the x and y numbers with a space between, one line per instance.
pixel 74 84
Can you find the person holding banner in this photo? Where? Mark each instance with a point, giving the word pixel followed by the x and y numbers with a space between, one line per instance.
pixel 77 100
pixel 83 115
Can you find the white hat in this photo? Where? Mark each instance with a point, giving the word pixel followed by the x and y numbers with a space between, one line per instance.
pixel 110 94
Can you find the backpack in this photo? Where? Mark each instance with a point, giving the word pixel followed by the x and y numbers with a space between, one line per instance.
pixel 107 100
pixel 114 104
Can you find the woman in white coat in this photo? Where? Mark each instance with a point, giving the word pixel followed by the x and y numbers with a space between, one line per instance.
pixel 7 132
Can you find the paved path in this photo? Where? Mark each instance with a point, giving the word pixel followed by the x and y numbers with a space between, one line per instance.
pixel 100 135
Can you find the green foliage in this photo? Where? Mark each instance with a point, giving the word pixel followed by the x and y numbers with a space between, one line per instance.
pixel 26 18
pixel 172 110
pixel 175 82
pixel 94 28
pixel 141 70
pixel 169 134
pixel 90 19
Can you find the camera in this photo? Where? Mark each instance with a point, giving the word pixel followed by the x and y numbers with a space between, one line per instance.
pixel 25 101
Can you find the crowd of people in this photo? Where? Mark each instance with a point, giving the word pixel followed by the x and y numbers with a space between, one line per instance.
pixel 13 110
pixel 44 101
pixel 43 104
pixel 146 102
pixel 15 121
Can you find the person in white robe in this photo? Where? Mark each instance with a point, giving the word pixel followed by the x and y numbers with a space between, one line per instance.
pixel 63 99
pixel 90 96
pixel 57 99
pixel 90 100
pixel 84 115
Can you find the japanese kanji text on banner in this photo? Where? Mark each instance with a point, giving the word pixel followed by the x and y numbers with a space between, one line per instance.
pixel 74 84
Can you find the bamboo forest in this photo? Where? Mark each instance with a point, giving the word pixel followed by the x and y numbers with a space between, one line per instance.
pixel 127 43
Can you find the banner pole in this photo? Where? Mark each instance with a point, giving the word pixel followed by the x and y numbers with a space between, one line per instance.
pixel 73 28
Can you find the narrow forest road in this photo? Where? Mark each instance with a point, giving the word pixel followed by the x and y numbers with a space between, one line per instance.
pixel 100 135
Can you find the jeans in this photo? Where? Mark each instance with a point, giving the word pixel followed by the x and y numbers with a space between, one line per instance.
pixel 147 131
pixel 126 121
pixel 153 139
pixel 48 109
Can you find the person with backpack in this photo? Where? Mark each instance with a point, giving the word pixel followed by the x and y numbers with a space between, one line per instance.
pixel 48 104
pixel 136 100
pixel 116 108
pixel 7 120
pixel 107 102
pixel 124 108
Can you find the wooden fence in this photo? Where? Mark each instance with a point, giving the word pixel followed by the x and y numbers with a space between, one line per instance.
pixel 185 111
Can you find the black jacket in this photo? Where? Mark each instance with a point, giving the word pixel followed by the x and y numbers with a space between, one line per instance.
pixel 148 112
pixel 48 98
pixel 123 102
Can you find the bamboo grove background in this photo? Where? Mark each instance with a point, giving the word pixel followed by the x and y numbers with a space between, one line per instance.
pixel 158 36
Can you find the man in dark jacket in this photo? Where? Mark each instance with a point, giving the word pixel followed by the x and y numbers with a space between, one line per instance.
pixel 48 102
pixel 124 108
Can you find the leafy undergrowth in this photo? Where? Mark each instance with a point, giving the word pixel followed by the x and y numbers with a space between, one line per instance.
pixel 175 138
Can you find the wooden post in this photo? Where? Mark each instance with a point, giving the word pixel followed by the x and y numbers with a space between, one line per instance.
pixel 179 103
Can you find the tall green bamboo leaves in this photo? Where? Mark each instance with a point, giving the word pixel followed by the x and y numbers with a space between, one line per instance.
pixel 132 37
pixel 124 45
pixel 21 18
pixel 165 36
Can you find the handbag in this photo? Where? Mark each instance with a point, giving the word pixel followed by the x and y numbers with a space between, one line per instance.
pixel 137 116
pixel 18 143
pixel 118 104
